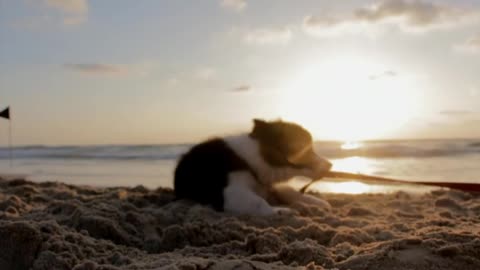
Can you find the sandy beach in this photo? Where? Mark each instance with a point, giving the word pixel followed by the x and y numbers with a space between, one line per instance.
pixel 52 225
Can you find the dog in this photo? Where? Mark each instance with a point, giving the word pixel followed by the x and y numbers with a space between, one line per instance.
pixel 243 174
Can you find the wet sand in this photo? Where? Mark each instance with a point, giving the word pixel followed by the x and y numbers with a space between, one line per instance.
pixel 58 226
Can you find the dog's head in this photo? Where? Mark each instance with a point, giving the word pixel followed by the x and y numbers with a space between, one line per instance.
pixel 288 144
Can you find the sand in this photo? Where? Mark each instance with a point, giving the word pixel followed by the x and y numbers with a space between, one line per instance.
pixel 59 226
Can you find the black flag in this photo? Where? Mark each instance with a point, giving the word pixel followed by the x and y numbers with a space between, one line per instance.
pixel 5 113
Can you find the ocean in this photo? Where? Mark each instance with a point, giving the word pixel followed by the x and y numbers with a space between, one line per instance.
pixel 153 165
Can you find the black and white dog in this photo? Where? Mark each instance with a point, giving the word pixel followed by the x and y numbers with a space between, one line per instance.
pixel 240 174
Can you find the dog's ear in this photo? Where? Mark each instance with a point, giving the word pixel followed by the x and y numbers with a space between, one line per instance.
pixel 259 122
pixel 260 128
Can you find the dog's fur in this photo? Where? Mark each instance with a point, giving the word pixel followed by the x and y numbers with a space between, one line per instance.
pixel 240 174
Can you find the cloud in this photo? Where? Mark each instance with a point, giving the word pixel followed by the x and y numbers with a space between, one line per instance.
pixel 73 11
pixel 242 88
pixel 385 74
pixel 471 45
pixel 236 5
pixel 98 69
pixel 415 13
pixel 265 36
pixel 327 25
pixel 69 6
pixel 408 15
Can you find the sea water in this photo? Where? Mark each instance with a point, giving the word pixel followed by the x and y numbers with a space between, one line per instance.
pixel 153 165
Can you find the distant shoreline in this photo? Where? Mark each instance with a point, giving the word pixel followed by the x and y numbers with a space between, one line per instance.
pixel 193 142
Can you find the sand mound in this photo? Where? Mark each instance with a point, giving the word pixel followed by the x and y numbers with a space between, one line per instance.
pixel 58 226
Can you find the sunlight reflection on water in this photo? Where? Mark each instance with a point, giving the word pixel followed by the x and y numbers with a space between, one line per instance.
pixel 353 186
pixel 351 145
pixel 354 165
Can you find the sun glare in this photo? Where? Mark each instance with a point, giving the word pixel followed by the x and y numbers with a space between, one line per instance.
pixel 348 98
pixel 351 145
pixel 351 187
pixel 352 164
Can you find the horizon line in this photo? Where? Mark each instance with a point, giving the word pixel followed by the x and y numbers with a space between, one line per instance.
pixel 192 143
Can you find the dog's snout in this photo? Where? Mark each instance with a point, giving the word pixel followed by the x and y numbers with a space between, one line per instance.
pixel 325 164
pixel 310 159
pixel 322 164
pixel 320 167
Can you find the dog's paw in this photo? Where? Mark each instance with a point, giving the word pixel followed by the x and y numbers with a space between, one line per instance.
pixel 283 211
pixel 312 200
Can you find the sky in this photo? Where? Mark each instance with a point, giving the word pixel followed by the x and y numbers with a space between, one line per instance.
pixel 79 72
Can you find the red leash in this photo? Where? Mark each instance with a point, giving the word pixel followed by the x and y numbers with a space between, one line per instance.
pixel 467 187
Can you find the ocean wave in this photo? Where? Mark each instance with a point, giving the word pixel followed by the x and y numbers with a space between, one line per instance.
pixel 130 152
pixel 402 149
pixel 386 149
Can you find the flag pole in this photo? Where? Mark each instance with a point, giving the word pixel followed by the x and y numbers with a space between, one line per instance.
pixel 10 142
pixel 6 114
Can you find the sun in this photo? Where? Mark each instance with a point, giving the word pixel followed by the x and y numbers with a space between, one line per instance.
pixel 348 98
